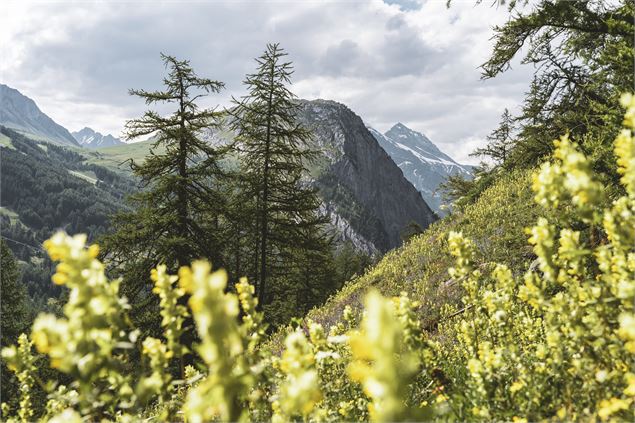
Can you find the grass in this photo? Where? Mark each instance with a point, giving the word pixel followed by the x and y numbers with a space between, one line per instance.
pixel 14 218
pixel 88 176
pixel 115 158
pixel 6 142
pixel 496 223
pixel 9 213
pixel 40 138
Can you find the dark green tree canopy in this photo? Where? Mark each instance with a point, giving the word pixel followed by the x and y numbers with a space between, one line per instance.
pixel 583 55
pixel 274 148
pixel 500 142
pixel 14 300
pixel 582 52
pixel 168 223
pixel 175 219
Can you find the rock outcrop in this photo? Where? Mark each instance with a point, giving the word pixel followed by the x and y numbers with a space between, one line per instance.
pixel 358 180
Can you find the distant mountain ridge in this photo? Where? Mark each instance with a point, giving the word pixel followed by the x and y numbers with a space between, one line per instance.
pixel 19 112
pixel 421 161
pixel 364 193
pixel 87 137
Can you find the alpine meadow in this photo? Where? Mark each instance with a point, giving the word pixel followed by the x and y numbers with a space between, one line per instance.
pixel 259 230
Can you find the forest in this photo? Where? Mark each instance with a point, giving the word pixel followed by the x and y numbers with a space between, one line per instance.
pixel 198 291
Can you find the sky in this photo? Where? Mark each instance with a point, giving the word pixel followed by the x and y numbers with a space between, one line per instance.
pixel 409 61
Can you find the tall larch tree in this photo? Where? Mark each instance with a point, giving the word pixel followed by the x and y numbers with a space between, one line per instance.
pixel 274 150
pixel 175 218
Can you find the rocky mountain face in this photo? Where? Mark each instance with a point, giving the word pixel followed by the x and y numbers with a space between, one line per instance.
pixel 19 112
pixel 365 193
pixel 421 162
pixel 91 139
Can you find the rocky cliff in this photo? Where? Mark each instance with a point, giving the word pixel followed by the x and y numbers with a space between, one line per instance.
pixel 358 181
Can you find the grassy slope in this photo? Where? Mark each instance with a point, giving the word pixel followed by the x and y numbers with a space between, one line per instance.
pixel 114 158
pixel 6 141
pixel 496 222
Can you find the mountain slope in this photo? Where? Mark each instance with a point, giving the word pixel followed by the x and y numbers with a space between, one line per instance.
pixel 87 137
pixel 19 112
pixel 421 162
pixel 359 183
pixel 46 187
pixel 496 223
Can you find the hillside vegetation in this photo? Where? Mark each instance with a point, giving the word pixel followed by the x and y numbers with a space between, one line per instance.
pixel 553 341
pixel 517 307
pixel 496 222
pixel 46 187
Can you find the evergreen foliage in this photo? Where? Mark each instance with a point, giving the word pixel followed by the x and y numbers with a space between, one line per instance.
pixel 175 219
pixel 284 229
pixel 583 54
pixel 14 300
pixel 15 317
pixel 500 142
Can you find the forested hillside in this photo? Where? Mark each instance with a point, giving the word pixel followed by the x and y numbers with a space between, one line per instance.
pixel 46 188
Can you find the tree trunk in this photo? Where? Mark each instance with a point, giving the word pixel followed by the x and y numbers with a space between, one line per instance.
pixel 182 259
pixel 265 193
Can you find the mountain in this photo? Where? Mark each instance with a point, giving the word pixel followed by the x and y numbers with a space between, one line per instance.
pixel 91 139
pixel 421 162
pixel 19 112
pixel 364 192
pixel 46 187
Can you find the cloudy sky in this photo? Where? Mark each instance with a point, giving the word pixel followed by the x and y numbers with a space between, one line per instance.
pixel 409 61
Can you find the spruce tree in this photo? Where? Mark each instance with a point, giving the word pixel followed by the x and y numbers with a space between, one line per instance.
pixel 175 218
pixel 500 141
pixel 287 231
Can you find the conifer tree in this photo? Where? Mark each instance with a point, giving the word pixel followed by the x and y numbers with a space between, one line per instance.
pixel 286 227
pixel 14 319
pixel 175 219
pixel 582 52
pixel 14 298
pixel 500 141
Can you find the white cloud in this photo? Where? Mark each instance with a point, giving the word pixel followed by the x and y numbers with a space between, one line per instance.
pixel 410 61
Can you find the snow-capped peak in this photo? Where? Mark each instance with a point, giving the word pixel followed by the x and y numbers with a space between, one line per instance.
pixel 420 160
pixel 87 137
